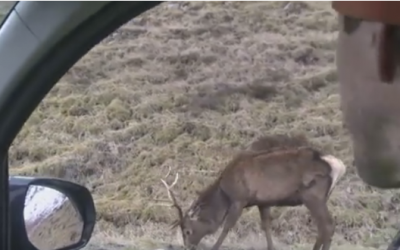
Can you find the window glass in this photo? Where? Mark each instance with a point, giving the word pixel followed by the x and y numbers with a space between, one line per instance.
pixel 5 7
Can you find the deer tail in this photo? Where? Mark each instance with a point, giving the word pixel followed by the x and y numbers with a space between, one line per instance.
pixel 338 169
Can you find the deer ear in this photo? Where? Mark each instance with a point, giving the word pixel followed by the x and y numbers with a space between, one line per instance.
pixel 194 217
pixel 193 213
pixel 174 224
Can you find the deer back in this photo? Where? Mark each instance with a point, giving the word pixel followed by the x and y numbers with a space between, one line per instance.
pixel 269 176
pixel 282 141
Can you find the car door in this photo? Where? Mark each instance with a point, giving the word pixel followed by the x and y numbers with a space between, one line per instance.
pixel 39 42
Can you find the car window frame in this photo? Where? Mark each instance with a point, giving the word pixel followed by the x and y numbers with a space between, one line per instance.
pixel 27 90
pixel 4 173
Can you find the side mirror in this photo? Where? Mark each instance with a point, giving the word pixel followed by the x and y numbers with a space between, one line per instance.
pixel 52 221
pixel 50 214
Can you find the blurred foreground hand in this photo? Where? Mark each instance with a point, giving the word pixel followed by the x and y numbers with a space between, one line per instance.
pixel 368 56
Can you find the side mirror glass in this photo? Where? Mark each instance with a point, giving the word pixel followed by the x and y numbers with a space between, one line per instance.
pixel 52 221
pixel 50 214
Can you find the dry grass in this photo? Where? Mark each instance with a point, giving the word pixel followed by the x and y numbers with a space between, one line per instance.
pixel 181 86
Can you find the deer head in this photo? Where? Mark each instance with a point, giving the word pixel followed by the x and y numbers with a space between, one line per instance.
pixel 192 228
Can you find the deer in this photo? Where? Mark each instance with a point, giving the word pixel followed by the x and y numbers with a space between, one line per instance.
pixel 275 177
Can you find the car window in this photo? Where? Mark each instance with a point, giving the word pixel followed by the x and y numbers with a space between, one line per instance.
pixel 5 7
pixel 180 87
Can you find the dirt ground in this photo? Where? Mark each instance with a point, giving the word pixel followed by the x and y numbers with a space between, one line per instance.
pixel 183 86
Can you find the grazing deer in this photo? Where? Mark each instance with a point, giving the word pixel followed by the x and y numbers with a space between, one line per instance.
pixel 284 177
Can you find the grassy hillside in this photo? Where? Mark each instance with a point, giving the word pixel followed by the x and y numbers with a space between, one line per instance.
pixel 181 86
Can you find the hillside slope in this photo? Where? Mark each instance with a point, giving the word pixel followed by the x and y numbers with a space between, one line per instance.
pixel 182 85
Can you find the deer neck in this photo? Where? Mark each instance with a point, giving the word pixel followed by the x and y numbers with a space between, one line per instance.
pixel 212 208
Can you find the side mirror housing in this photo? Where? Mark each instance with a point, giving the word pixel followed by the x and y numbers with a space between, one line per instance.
pixel 50 214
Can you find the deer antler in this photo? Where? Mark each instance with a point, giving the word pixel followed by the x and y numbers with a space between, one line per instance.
pixel 171 196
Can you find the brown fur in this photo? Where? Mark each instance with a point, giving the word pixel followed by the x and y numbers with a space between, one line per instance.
pixel 274 177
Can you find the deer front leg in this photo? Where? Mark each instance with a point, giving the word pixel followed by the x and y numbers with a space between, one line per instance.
pixel 233 214
pixel 266 225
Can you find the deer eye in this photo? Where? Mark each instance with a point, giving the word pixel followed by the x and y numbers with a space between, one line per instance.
pixel 187 232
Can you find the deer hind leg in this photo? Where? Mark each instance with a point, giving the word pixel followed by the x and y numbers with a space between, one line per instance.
pixel 233 214
pixel 325 226
pixel 266 225
pixel 314 199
